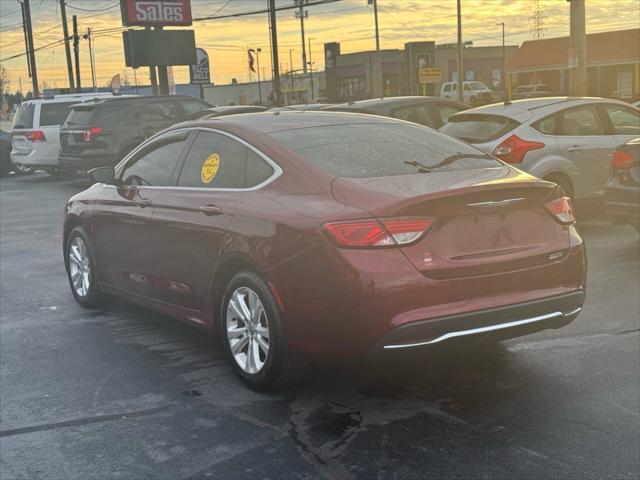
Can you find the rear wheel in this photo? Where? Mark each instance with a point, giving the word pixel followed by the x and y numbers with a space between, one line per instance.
pixel 22 170
pixel 81 270
pixel 563 181
pixel 254 336
pixel 54 171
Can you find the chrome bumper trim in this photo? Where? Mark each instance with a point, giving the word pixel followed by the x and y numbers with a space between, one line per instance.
pixel 489 328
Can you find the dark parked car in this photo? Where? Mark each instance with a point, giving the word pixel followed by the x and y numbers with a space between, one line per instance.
pixel 103 131
pixel 213 112
pixel 302 233
pixel 429 111
pixel 622 193
pixel 532 91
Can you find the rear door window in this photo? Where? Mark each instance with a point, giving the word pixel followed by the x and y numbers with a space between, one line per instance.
pixel 581 122
pixel 114 114
pixel 156 164
pixel 477 128
pixel 546 125
pixel 415 114
pixel 624 120
pixel 214 161
pixel 447 88
pixel 192 106
pixel 444 111
pixel 381 149
pixel 53 114
pixel 258 170
pixel 24 116
pixel 161 112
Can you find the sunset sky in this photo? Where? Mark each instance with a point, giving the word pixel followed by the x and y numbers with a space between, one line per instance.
pixel 349 22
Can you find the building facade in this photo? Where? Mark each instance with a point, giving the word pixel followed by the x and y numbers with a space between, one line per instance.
pixel 613 64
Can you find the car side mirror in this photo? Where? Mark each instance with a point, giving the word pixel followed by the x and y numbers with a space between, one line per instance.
pixel 103 175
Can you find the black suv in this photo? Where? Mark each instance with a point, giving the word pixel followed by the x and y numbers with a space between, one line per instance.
pixel 103 131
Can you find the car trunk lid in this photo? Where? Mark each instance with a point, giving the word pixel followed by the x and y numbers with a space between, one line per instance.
pixel 485 221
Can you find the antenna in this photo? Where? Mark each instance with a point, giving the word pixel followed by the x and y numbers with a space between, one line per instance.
pixel 536 20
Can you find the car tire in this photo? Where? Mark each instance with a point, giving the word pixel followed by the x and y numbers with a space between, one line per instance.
pixel 21 170
pixel 562 181
pixel 55 172
pixel 254 336
pixel 82 270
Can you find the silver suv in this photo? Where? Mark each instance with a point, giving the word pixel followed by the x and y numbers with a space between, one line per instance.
pixel 561 139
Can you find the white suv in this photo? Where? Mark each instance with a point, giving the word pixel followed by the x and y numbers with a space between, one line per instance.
pixel 475 93
pixel 35 136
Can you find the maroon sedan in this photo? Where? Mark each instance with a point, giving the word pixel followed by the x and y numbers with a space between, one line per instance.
pixel 297 233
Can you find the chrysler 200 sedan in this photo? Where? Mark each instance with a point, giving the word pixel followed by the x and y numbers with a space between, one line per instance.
pixel 297 233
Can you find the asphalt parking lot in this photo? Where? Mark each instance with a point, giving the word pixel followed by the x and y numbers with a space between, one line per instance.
pixel 127 393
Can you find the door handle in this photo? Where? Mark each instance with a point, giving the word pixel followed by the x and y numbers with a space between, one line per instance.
pixel 575 148
pixel 210 210
pixel 144 203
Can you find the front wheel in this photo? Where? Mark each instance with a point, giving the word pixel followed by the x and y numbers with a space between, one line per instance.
pixel 254 335
pixel 81 270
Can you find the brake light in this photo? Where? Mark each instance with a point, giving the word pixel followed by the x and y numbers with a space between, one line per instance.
pixel 89 134
pixel 562 210
pixel 621 160
pixel 373 233
pixel 513 149
pixel 34 135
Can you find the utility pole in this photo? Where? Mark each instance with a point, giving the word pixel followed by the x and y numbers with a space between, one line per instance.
pixel 87 36
pixel 30 48
pixel 375 14
pixel 291 74
pixel 505 89
pixel 312 96
pixel 67 48
pixel 26 41
pixel 460 66
pixel 578 52
pixel 76 50
pixel 302 13
pixel 274 52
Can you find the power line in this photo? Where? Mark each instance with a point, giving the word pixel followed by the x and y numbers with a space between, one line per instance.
pixel 93 9
pixel 265 10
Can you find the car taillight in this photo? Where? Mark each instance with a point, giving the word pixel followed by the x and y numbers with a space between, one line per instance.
pixel 35 136
pixel 562 210
pixel 513 149
pixel 373 233
pixel 621 160
pixel 89 134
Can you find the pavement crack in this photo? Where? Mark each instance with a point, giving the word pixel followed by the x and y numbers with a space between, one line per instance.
pixel 86 421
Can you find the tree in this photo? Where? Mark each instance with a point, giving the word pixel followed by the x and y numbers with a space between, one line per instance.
pixel 5 80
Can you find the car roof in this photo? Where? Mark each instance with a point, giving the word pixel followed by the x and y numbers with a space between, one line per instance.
pixel 389 102
pixel 134 98
pixel 70 97
pixel 523 110
pixel 269 122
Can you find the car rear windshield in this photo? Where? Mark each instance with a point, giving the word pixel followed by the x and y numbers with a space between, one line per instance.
pixel 52 114
pixel 477 128
pixel 24 116
pixel 79 116
pixel 381 150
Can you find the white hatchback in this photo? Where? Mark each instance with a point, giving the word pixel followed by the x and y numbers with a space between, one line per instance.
pixel 35 135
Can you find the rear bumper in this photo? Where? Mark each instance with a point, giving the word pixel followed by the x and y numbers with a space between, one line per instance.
pixel 87 162
pixel 32 159
pixel 503 322
pixel 622 204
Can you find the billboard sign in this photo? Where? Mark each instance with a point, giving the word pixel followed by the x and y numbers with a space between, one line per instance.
pixel 153 13
pixel 429 75
pixel 159 47
pixel 199 73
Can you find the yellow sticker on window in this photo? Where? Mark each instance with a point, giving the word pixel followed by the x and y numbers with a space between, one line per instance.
pixel 210 168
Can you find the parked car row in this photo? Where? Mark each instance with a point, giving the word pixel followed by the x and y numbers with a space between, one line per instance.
pixel 82 131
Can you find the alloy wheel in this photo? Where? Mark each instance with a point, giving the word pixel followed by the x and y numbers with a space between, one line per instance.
pixel 247 330
pixel 79 267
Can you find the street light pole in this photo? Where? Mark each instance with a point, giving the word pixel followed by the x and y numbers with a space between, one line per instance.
pixel 258 50
pixel 291 73
pixel 375 14
pixel 277 94
pixel 505 90
pixel 460 66
pixel 302 12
